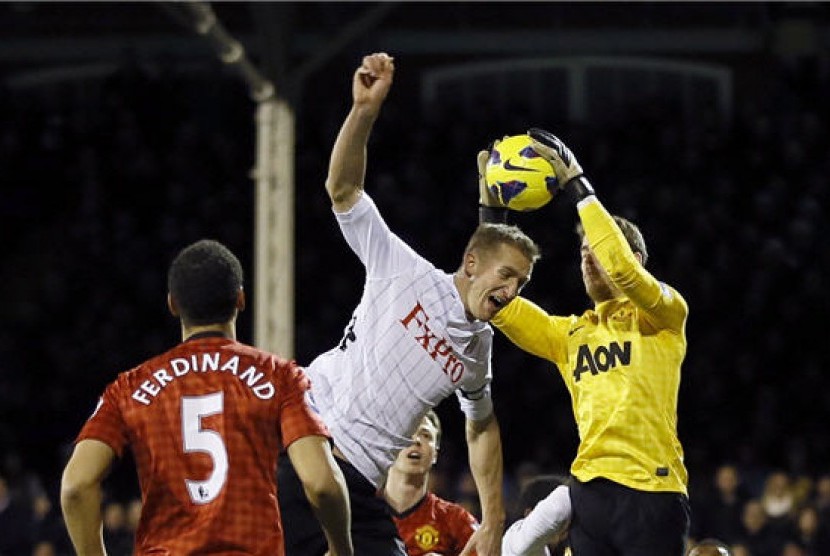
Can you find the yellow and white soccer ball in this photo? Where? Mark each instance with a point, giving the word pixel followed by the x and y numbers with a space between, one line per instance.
pixel 517 176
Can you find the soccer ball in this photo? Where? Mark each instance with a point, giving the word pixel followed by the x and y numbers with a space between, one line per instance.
pixel 517 176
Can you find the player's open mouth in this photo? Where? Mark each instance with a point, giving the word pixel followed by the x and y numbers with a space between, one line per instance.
pixel 497 301
pixel 413 455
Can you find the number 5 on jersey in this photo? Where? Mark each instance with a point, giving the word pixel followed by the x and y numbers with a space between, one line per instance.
pixel 197 439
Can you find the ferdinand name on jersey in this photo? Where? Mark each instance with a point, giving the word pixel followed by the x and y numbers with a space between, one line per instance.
pixel 202 363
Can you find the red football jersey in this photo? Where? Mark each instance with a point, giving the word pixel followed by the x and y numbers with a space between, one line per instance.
pixel 435 525
pixel 206 422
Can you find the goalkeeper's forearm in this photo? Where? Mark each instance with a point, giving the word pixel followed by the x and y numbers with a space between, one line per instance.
pixel 492 215
pixel 577 189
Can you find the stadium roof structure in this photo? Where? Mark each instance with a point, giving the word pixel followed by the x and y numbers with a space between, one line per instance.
pixel 72 32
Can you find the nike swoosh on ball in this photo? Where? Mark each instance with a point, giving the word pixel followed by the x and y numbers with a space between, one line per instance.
pixel 508 166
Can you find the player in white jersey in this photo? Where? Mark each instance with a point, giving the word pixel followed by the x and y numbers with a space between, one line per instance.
pixel 543 528
pixel 418 335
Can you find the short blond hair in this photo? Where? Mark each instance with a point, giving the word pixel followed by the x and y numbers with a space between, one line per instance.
pixel 489 235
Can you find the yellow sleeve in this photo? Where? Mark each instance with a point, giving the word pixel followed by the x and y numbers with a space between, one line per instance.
pixel 532 329
pixel 662 304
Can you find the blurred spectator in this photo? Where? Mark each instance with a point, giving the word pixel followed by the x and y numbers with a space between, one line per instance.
pixel 793 548
pixel 757 535
pixel 15 523
pixel 117 536
pixel 822 497
pixel 778 498
pixel 48 527
pixel 811 533
pixel 45 548
pixel 717 513
pixel 133 515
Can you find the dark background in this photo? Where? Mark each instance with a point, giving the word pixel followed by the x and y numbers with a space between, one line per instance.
pixel 123 138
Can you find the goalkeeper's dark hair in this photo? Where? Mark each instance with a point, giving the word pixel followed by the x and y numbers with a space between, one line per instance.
pixel 204 280
pixel 488 236
pixel 537 489
pixel 632 234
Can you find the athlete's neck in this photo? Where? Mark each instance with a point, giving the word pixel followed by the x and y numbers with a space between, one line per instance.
pixel 462 284
pixel 404 493
pixel 228 330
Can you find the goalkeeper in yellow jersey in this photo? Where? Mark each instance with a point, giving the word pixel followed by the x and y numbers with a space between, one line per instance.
pixel 620 361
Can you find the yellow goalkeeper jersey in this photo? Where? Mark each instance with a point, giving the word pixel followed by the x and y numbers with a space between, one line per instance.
pixel 621 363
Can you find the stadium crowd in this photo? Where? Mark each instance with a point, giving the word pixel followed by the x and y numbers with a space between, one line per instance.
pixel 105 181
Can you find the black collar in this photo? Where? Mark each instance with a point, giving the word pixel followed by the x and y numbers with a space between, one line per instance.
pixel 206 334
pixel 411 510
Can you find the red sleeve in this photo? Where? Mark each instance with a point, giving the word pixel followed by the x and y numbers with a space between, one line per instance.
pixel 297 417
pixel 462 524
pixel 107 423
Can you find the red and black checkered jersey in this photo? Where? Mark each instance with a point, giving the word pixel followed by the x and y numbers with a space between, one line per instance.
pixel 435 525
pixel 206 422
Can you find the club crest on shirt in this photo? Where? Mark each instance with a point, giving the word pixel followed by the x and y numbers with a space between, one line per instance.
pixel 427 536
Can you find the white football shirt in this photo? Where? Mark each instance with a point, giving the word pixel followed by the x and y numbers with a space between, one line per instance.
pixel 529 536
pixel 407 347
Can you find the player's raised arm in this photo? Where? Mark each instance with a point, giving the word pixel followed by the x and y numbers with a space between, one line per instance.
pixel 347 167
pixel 615 244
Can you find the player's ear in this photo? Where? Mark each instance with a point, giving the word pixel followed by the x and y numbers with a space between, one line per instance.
pixel 470 261
pixel 171 305
pixel 240 300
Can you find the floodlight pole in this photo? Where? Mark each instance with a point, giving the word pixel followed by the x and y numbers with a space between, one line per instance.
pixel 274 171
pixel 274 177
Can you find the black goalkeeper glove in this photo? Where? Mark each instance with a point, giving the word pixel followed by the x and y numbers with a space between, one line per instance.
pixel 567 169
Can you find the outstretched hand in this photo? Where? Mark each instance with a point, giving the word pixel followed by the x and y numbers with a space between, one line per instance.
pixel 372 80
pixel 485 541
pixel 485 196
pixel 552 149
